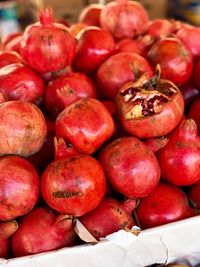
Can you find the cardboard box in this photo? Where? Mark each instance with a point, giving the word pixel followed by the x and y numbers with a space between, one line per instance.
pixel 163 244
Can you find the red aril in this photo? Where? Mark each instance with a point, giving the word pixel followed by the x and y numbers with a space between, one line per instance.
pixel 41 230
pixel 86 133
pixel 175 60
pixel 9 57
pixel 47 46
pixel 109 217
pixel 19 82
pixel 66 89
pixel 148 107
pixel 6 230
pixel 179 160
pixel 23 128
pixel 130 166
pixel 124 19
pixel 94 47
pixel 90 15
pixel 74 185
pixel 194 112
pixel 19 187
pixel 119 69
pixel 167 203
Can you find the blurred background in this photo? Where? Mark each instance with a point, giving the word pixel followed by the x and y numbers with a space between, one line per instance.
pixel 16 15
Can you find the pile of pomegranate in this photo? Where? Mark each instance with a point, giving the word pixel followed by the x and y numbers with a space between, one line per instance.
pixel 99 123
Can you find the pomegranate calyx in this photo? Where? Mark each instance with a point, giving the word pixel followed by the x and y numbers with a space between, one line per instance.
pixel 46 16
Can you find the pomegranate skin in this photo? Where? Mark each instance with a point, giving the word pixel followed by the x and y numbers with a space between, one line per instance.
pixel 19 187
pixel 19 82
pixel 194 194
pixel 41 230
pixel 130 166
pixel 23 128
pixel 90 15
pixel 119 69
pixel 9 57
pixel 159 28
pixel 123 19
pixel 167 203
pixel 109 217
pixel 179 160
pixel 196 74
pixel 194 112
pixel 88 134
pixel 47 46
pixel 66 89
pixel 74 185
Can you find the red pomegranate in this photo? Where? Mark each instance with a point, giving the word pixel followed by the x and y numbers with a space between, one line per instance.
pixel 123 18
pixel 62 150
pixel 66 89
pixel 167 203
pixel 47 46
pixel 175 60
pixel 194 194
pixel 196 74
pixel 13 43
pixel 19 187
pixel 159 28
pixel 179 160
pixel 149 107
pixel 74 185
pixel 130 166
pixel 94 47
pixel 6 230
pixel 119 69
pixel 88 134
pixel 129 45
pixel 19 82
pixel 109 217
pixel 9 57
pixel 194 112
pixel 23 128
pixel 90 15
pixel 41 230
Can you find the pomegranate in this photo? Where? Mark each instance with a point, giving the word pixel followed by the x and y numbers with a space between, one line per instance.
pixel 156 143
pixel 88 134
pixel 19 82
pixel 23 128
pixel 90 15
pixel 74 185
pixel 124 19
pixel 94 47
pixel 41 230
pixel 130 45
pixel 175 60
pixel 119 69
pixel 182 152
pixel 196 74
pixel 109 217
pixel 14 43
pixel 159 28
pixel 130 166
pixel 149 107
pixel 7 38
pixel 194 194
pixel 66 89
pixel 194 112
pixel 167 203
pixel 63 150
pixel 110 105
pixel 190 36
pixel 9 57
pixel 47 46
pixel 6 230
pixel 19 187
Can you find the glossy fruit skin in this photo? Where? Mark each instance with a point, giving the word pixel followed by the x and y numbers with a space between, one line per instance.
pixel 74 185
pixel 41 230
pixel 130 166
pixel 66 89
pixel 94 47
pixel 23 128
pixel 90 14
pixel 107 218
pixel 123 19
pixel 6 230
pixel 182 152
pixel 9 57
pixel 129 45
pixel 155 125
pixel 119 69
pixel 19 82
pixel 88 134
pixel 167 203
pixel 159 28
pixel 47 46
pixel 19 187
pixel 175 60
pixel 194 112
